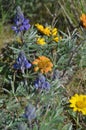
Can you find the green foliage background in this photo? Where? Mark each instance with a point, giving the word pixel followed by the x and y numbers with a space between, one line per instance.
pixel 65 14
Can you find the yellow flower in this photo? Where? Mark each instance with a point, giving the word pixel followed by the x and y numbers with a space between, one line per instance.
pixel 47 31
pixel 56 39
pixel 39 27
pixel 43 64
pixel 78 103
pixel 41 41
pixel 83 19
pixel 54 31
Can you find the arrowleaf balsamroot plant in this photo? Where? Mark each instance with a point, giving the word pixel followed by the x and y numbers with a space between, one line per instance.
pixel 34 76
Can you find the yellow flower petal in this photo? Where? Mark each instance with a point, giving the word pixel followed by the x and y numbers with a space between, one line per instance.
pixel 41 41
pixel 54 31
pixel 39 27
pixel 56 39
pixel 47 31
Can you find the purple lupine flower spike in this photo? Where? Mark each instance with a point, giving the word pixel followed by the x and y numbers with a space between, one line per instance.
pixel 41 83
pixel 21 23
pixel 30 112
pixel 22 63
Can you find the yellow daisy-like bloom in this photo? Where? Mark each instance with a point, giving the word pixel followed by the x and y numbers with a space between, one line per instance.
pixel 47 31
pixel 41 41
pixel 54 31
pixel 43 64
pixel 83 19
pixel 78 103
pixel 39 27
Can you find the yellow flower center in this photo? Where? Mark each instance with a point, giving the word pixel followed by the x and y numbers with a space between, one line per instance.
pixel 43 64
pixel 81 104
pixel 47 31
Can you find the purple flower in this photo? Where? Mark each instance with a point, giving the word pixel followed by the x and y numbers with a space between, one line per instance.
pixel 30 112
pixel 22 63
pixel 25 26
pixel 41 83
pixel 21 24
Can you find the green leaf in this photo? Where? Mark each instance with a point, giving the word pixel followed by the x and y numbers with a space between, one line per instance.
pixel 67 127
